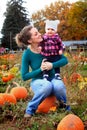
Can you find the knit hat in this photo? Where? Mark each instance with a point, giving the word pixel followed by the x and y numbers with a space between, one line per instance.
pixel 51 24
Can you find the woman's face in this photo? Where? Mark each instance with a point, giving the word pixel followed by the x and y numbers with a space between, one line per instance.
pixel 35 36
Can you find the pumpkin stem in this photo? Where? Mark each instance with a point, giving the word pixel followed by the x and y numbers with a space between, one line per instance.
pixel 7 90
pixel 16 84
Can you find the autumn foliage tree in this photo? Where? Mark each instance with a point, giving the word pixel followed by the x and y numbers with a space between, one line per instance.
pixel 73 19
pixel 77 19
pixel 38 20
pixel 57 10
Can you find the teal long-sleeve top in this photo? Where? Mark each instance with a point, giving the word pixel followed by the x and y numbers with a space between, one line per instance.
pixel 31 62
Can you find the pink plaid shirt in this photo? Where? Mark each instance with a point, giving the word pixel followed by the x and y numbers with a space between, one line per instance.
pixel 51 45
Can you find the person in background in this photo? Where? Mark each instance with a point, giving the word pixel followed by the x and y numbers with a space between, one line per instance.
pixel 51 47
pixel 29 37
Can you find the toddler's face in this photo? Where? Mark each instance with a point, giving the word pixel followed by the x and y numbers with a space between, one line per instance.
pixel 50 31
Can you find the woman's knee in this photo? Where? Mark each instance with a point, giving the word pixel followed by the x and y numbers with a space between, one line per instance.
pixel 47 88
pixel 59 90
pixel 41 86
pixel 58 84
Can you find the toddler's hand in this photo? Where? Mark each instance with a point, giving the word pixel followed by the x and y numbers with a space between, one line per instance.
pixel 60 52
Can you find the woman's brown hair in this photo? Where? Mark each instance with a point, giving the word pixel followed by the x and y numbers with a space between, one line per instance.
pixel 23 37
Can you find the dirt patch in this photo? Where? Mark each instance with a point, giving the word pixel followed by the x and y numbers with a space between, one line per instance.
pixel 25 124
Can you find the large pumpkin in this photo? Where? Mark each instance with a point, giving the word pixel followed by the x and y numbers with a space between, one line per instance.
pixel 71 122
pixel 19 92
pixel 46 105
pixel 7 97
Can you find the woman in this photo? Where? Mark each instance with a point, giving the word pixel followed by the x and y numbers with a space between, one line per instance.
pixel 30 37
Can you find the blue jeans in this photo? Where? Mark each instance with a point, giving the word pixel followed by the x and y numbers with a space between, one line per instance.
pixel 42 89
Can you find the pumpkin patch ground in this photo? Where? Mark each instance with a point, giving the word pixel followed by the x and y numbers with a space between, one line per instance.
pixel 11 114
pixel 12 118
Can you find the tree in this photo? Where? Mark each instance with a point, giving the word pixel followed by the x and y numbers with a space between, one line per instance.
pixel 77 19
pixel 16 18
pixel 38 19
pixel 73 19
pixel 56 11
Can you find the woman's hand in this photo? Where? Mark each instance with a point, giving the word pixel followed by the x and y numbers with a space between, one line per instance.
pixel 45 65
pixel 49 65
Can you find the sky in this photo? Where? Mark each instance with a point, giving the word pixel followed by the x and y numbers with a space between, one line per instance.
pixel 31 5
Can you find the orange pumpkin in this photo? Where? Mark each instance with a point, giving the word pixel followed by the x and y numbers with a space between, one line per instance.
pixel 7 78
pixel 5 56
pixel 71 122
pixel 19 92
pixel 1 100
pixel 47 104
pixel 7 97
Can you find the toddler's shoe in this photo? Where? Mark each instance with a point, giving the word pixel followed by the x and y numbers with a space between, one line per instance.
pixel 45 76
pixel 57 76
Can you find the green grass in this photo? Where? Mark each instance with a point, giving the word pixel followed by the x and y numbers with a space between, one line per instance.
pixel 13 114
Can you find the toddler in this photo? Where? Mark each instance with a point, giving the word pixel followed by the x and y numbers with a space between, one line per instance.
pixel 51 46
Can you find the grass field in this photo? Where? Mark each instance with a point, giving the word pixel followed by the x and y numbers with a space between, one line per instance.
pixel 74 76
